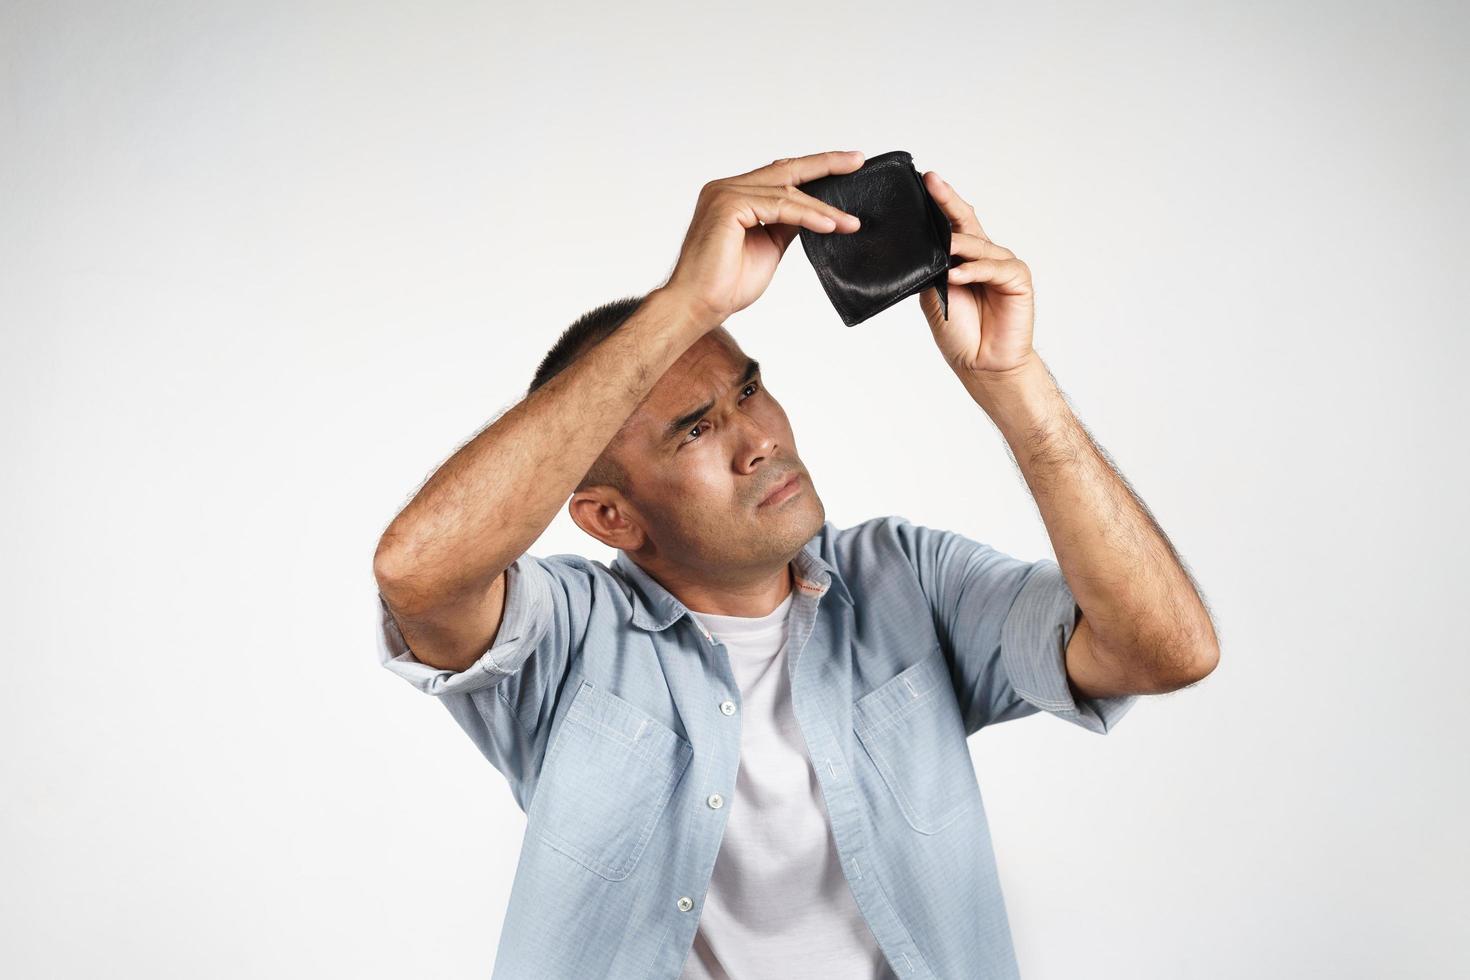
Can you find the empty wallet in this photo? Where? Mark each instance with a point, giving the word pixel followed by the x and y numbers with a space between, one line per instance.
pixel 901 248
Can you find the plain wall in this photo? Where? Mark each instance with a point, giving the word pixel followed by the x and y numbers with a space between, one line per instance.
pixel 263 266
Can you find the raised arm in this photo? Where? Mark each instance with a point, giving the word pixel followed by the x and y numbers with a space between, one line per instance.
pixel 1144 628
pixel 440 565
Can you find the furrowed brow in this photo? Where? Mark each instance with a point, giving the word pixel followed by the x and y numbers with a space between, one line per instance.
pixel 752 368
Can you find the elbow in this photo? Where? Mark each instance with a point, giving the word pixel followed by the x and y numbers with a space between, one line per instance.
pixel 1184 653
pixel 1200 664
pixel 400 557
pixel 387 564
pixel 1186 664
pixel 397 582
pixel 412 587
pixel 1163 665
pixel 1205 652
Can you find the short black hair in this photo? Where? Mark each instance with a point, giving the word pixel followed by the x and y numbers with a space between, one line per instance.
pixel 586 332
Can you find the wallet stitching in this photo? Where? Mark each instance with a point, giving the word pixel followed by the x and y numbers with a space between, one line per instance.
pixel 849 313
pixel 908 291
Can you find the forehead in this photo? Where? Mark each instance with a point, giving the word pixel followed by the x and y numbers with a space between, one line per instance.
pixel 708 369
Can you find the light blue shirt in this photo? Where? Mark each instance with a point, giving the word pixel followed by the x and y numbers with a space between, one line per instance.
pixel 616 719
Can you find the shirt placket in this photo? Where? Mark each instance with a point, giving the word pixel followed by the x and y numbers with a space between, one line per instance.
pixel 844 808
pixel 727 723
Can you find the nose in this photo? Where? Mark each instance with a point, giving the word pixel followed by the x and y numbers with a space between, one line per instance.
pixel 757 445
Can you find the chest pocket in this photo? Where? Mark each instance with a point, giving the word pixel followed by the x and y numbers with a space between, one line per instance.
pixel 911 727
pixel 606 779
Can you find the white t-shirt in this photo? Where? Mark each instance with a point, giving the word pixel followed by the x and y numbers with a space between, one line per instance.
pixel 778 905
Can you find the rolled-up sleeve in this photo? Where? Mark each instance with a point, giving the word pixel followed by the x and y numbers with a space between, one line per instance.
pixel 524 621
pixel 1005 624
pixel 1033 650
pixel 505 699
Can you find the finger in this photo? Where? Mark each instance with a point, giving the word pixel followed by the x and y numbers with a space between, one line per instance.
pixel 975 247
pixel 846 220
pixel 783 234
pixel 799 170
pixel 1002 273
pixel 753 209
pixel 842 220
pixel 955 208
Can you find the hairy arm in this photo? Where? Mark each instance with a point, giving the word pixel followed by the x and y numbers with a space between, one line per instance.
pixel 440 564
pixel 1144 627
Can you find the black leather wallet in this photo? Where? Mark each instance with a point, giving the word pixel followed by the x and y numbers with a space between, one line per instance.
pixel 901 248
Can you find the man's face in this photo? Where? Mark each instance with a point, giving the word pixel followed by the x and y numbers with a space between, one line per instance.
pixel 702 452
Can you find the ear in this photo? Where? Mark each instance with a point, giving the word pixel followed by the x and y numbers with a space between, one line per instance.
pixel 606 515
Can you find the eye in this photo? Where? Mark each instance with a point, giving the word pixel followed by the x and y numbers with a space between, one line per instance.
pixel 695 429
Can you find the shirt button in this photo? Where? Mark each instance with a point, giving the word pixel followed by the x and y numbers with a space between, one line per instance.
pixel 685 903
pixel 716 801
pixel 728 707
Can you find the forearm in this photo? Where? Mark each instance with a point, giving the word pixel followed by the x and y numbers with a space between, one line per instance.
pixel 1138 598
pixel 495 496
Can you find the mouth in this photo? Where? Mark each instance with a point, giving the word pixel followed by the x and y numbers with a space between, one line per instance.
pixel 782 490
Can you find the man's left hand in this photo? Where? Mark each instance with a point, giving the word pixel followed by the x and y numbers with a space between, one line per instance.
pixel 991 306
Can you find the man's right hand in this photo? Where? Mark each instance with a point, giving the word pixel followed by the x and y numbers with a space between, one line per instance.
pixel 742 225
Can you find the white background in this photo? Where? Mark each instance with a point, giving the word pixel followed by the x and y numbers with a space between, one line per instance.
pixel 263 266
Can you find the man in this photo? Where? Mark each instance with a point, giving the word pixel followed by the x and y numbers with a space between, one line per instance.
pixel 741 748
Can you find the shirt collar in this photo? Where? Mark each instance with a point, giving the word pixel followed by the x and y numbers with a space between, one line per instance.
pixel 655 607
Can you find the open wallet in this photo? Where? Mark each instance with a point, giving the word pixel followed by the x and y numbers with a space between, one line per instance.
pixel 901 248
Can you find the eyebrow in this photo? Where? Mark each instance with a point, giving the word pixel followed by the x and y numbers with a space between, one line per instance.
pixel 752 368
